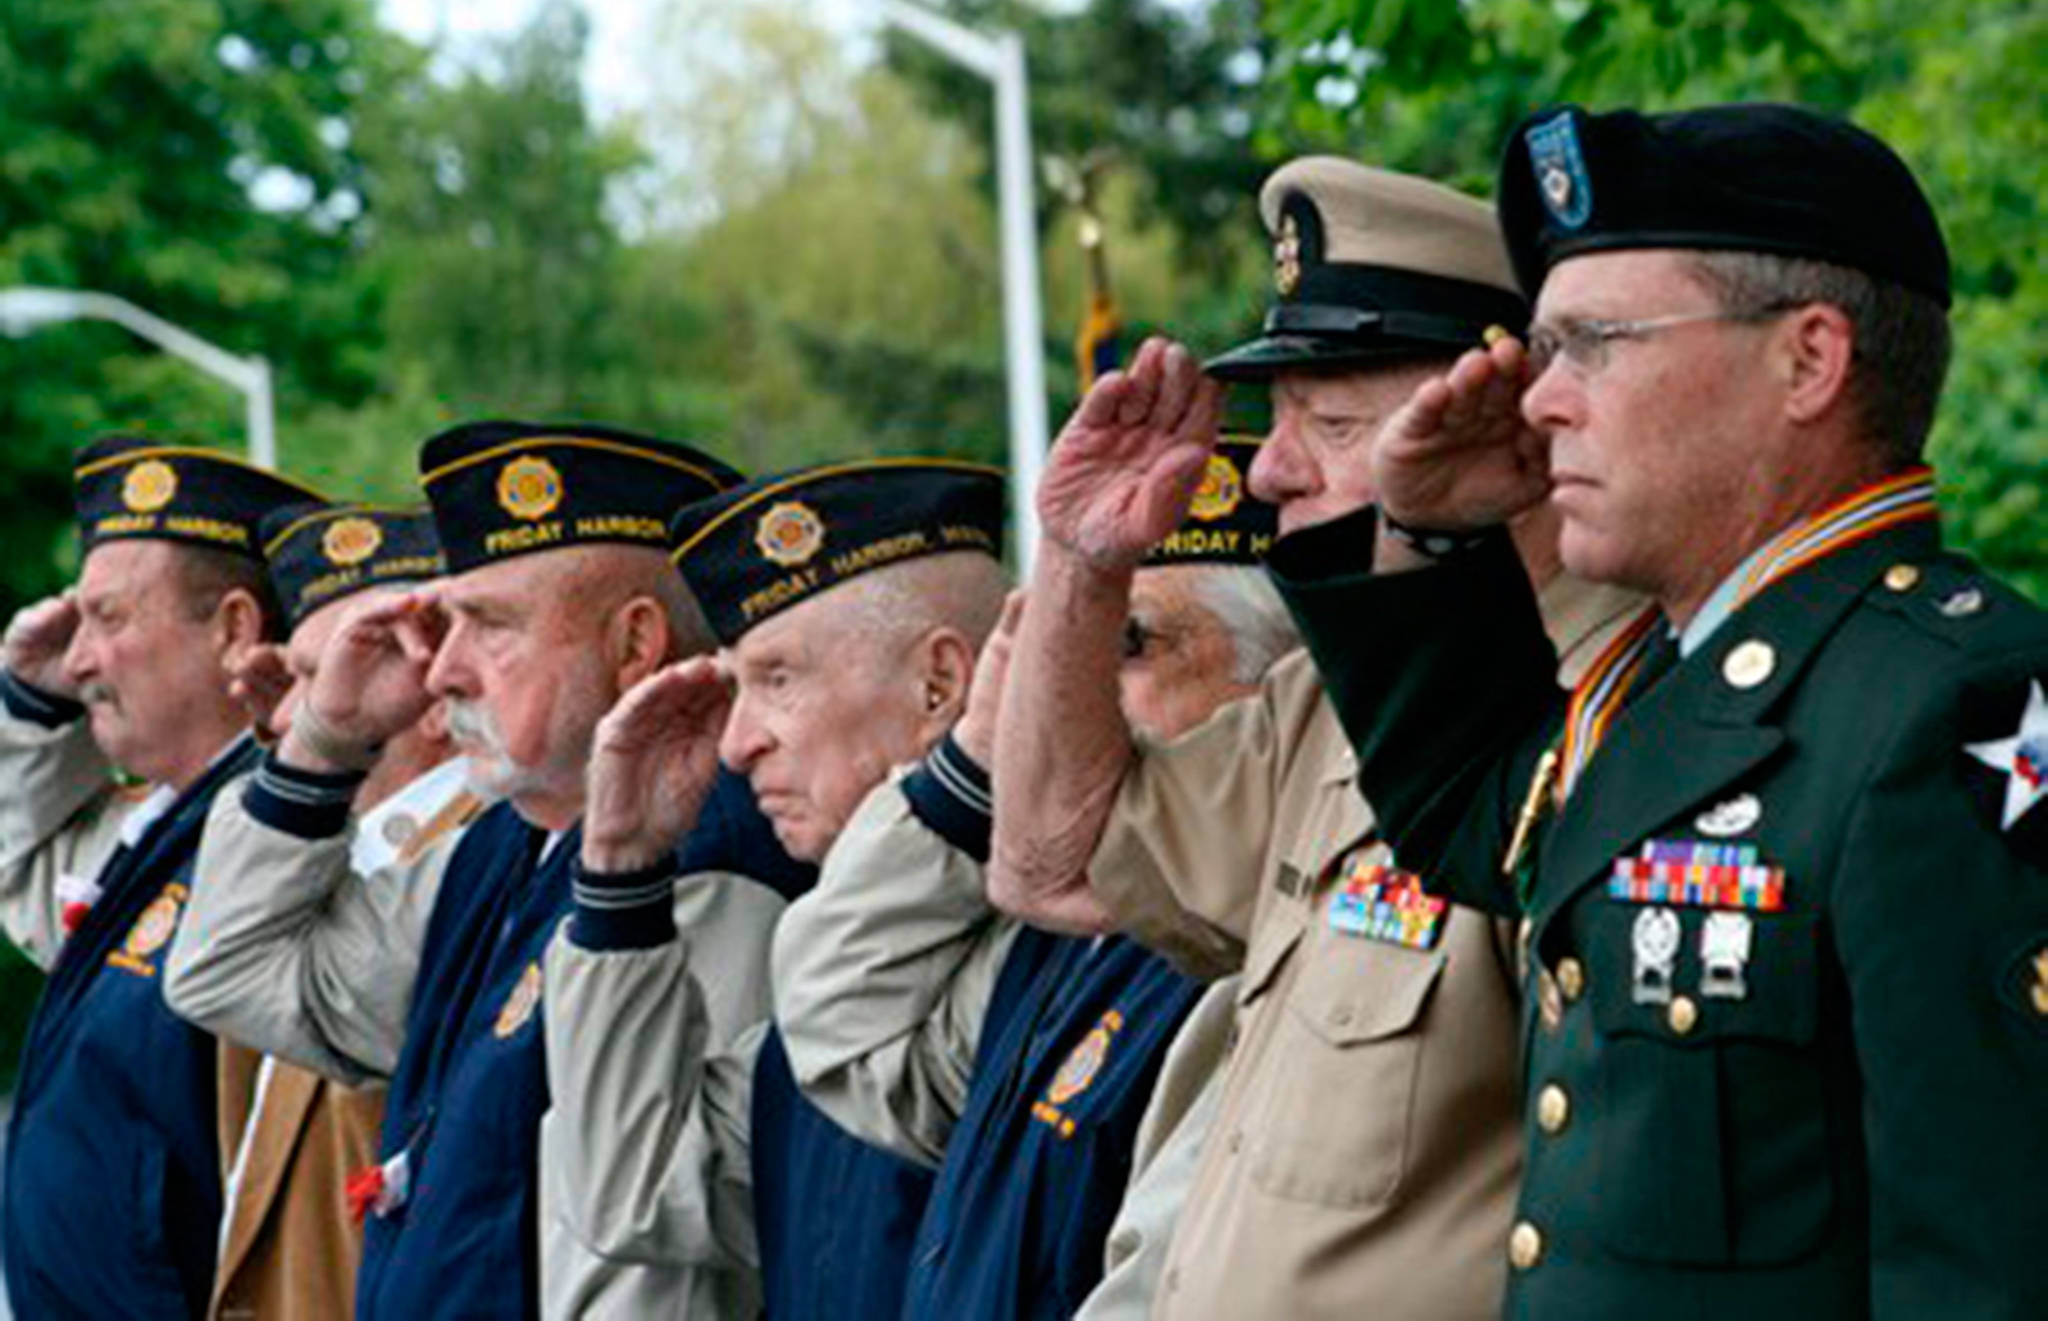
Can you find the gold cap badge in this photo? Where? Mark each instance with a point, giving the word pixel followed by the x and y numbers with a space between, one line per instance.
pixel 1221 491
pixel 529 487
pixel 1287 256
pixel 351 541
pixel 789 534
pixel 149 486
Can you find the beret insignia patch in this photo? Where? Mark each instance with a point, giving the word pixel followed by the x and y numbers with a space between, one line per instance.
pixel 149 486
pixel 1560 169
pixel 529 487
pixel 1221 491
pixel 351 541
pixel 789 534
pixel 1287 256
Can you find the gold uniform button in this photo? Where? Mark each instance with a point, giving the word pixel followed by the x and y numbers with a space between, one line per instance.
pixel 1525 1246
pixel 1683 1015
pixel 1571 978
pixel 1901 577
pixel 1750 664
pixel 1553 1109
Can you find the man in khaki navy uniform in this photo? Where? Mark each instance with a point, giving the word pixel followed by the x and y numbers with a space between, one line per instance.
pixel 558 597
pixel 1364 1156
pixel 290 1138
pixel 925 1020
pixel 850 601
pixel 1782 852
pixel 113 1170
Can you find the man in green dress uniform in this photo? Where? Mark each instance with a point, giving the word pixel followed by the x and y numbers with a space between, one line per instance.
pixel 1780 854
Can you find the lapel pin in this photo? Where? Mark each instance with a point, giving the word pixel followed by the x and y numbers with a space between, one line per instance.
pixel 1963 604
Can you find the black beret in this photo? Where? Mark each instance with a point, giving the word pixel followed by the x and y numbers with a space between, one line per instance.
pixel 320 553
pixel 1226 523
pixel 1372 266
pixel 128 487
pixel 1752 178
pixel 500 489
pixel 755 551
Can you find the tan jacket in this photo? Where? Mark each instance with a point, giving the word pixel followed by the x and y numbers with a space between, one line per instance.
pixel 1366 1148
pixel 289 1245
pixel 290 1139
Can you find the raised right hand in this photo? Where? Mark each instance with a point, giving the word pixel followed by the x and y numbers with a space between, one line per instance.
pixel 36 640
pixel 1458 454
pixel 371 684
pixel 652 764
pixel 1124 467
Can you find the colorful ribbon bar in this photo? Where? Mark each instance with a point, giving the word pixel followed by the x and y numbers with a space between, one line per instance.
pixel 1685 873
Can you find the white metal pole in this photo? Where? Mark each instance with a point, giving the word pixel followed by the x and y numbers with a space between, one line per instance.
pixel 262 416
pixel 1023 329
pixel 1000 59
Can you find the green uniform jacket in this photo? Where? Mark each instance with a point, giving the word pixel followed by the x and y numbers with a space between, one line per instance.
pixel 1862 1131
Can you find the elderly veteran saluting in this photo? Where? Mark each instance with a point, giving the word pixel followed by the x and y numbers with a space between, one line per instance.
pixel 1768 1075
pixel 290 1138
pixel 113 1173
pixel 851 601
pixel 559 598
pixel 1019 1062
pixel 1364 1153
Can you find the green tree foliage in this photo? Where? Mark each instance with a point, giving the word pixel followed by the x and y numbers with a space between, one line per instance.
pixel 134 139
pixel 1435 88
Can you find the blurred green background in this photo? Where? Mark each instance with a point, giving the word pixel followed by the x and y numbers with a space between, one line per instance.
pixel 781 244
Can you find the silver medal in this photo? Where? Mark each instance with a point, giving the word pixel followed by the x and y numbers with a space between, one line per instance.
pixel 1724 952
pixel 1655 940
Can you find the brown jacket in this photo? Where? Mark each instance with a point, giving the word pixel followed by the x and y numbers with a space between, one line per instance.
pixel 289 1244
pixel 1365 1155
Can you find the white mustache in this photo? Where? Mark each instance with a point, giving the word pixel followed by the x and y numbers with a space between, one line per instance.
pixel 96 694
pixel 473 725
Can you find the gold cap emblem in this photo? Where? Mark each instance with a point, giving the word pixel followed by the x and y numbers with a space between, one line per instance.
pixel 351 541
pixel 789 534
pixel 1221 491
pixel 149 486
pixel 529 487
pixel 1287 256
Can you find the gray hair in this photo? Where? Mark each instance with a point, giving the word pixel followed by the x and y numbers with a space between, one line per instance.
pixel 1902 337
pixel 1246 603
pixel 896 605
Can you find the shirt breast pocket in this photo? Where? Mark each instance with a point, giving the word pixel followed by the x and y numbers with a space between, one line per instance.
pixel 1330 1118
pixel 1713 1146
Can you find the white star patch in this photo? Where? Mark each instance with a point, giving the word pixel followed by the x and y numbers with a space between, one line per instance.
pixel 2023 758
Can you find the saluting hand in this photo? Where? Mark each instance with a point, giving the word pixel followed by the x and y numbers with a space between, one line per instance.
pixel 258 681
pixel 1125 466
pixel 652 764
pixel 1458 454
pixel 371 682
pixel 976 732
pixel 36 640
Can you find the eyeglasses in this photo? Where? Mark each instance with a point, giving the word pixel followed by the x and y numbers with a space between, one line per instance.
pixel 1584 344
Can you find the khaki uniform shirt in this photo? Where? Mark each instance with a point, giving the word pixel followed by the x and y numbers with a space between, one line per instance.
pixel 1365 1151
